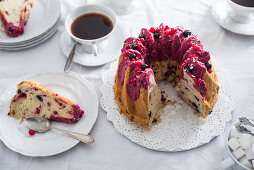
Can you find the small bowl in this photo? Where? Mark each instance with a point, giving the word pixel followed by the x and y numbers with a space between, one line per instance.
pixel 94 45
pixel 232 160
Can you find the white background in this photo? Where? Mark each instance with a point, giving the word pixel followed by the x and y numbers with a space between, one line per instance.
pixel 111 150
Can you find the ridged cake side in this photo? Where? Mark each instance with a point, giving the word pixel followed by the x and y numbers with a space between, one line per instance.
pixel 34 99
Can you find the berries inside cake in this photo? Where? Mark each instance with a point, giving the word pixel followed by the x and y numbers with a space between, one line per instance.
pixel 34 99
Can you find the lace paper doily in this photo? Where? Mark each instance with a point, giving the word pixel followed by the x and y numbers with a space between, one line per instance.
pixel 180 129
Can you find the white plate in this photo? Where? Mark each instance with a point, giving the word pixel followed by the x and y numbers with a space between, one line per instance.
pixel 180 128
pixel 109 54
pixel 69 85
pixel 43 16
pixel 30 44
pixel 221 11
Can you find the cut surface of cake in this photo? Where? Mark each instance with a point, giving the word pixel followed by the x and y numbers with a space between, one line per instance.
pixel 161 53
pixel 14 15
pixel 33 99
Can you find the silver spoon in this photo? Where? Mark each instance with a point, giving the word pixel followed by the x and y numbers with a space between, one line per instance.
pixel 242 129
pixel 41 125
pixel 70 57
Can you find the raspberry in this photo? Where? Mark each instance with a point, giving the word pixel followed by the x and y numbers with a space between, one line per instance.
pixel 31 132
pixel 142 40
pixel 199 80
pixel 138 44
pixel 127 47
pixel 139 64
pixel 170 31
pixel 195 46
pixel 166 27
pixel 152 29
pixel 210 71
pixel 127 53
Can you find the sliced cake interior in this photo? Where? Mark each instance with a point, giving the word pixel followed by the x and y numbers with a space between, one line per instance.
pixel 14 15
pixel 34 99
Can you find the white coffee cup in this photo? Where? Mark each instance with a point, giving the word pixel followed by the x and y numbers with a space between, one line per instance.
pixel 241 14
pixel 93 46
pixel 231 160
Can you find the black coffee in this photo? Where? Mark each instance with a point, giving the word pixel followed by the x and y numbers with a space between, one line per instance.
pixel 246 3
pixel 91 26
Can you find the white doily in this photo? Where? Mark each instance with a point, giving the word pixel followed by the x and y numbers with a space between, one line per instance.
pixel 180 129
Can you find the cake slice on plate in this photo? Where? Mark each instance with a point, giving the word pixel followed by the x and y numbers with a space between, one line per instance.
pixel 14 15
pixel 34 99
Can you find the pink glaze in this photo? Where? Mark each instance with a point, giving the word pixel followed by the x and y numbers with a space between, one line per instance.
pixel 10 29
pixel 158 44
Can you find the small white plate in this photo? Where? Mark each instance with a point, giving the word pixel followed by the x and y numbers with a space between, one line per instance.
pixel 70 85
pixel 43 16
pixel 33 43
pixel 109 54
pixel 221 11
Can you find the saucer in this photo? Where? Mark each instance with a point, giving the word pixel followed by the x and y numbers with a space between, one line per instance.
pixel 109 54
pixel 221 15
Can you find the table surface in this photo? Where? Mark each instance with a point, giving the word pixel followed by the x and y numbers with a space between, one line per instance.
pixel 112 150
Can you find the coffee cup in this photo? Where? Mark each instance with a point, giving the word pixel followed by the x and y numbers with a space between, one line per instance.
pixel 241 13
pixel 95 45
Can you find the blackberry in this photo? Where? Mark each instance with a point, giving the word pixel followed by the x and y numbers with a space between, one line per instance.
pixel 190 69
pixel 208 66
pixel 144 66
pixel 141 36
pixel 39 98
pixel 186 33
pixel 156 35
pixel 132 55
pixel 134 47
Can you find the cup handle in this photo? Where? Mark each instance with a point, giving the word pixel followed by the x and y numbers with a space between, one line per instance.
pixel 95 49
pixel 227 163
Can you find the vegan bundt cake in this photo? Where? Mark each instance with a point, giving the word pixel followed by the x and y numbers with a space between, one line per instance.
pixel 34 99
pixel 163 53
pixel 14 15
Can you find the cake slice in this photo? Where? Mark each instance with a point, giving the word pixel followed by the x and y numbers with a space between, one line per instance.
pixel 34 99
pixel 14 15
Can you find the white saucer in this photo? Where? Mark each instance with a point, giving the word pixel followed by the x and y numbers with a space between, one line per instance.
pixel 221 12
pixel 109 54
pixel 70 85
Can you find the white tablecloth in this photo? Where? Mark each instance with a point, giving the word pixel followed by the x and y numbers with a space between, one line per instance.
pixel 111 150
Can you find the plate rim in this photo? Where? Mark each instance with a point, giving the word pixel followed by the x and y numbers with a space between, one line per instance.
pixel 54 21
pixel 83 80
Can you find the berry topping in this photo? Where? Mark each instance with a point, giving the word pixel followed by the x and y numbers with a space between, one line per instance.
pixel 39 98
pixel 170 31
pixel 156 35
pixel 190 69
pixel 186 33
pixel 139 64
pixel 144 66
pixel 152 29
pixel 210 71
pixel 208 66
pixel 141 36
pixel 134 47
pixel 132 56
pixel 31 132
pixel 138 44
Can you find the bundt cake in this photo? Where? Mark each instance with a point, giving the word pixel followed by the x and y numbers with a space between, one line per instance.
pixel 160 53
pixel 34 99
pixel 14 15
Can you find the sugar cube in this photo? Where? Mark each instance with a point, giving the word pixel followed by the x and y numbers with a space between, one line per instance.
pixel 238 153
pixel 233 143
pixel 252 163
pixel 249 154
pixel 244 141
pixel 234 132
pixel 245 162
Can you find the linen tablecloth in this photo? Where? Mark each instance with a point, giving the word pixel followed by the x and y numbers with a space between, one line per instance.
pixel 112 151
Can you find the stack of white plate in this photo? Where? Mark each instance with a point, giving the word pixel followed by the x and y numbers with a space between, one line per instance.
pixel 42 24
